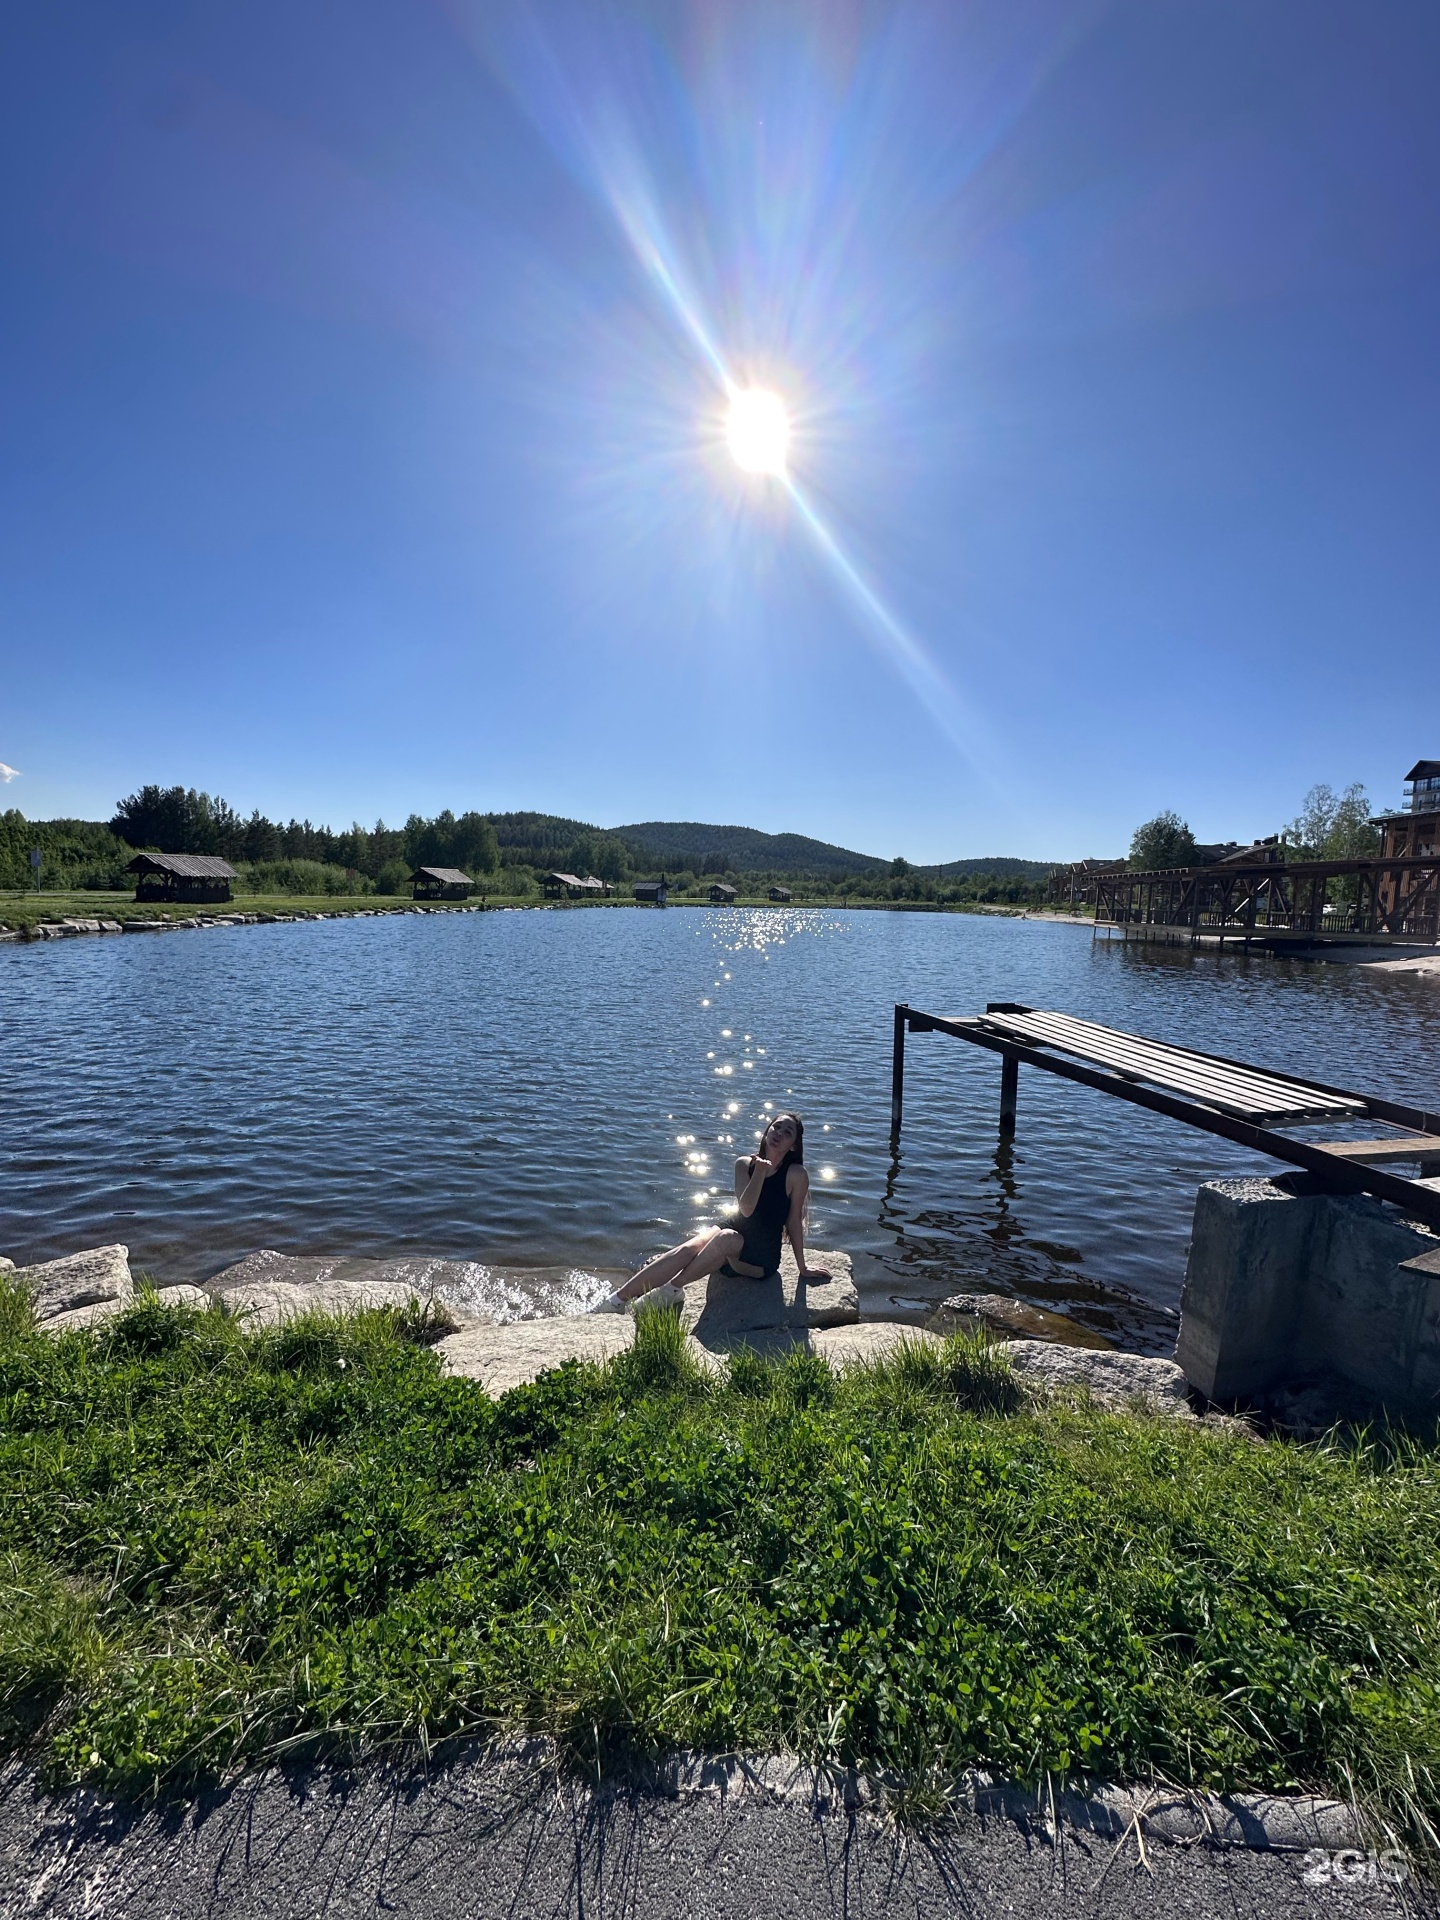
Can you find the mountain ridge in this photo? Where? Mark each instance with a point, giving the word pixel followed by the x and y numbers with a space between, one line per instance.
pixel 683 842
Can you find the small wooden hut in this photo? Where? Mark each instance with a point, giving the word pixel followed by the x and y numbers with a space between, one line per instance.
pixel 559 886
pixel 652 893
pixel 190 878
pixel 780 895
pixel 721 895
pixel 441 883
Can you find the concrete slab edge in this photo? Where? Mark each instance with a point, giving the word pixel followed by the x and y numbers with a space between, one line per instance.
pixel 1259 1821
pixel 1255 1821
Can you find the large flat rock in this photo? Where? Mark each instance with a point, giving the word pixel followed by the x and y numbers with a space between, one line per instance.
pixel 1016 1319
pixel 723 1313
pixel 99 1311
pixel 269 1303
pixel 867 1340
pixel 98 1275
pixel 768 1316
pixel 504 1357
pixel 1111 1379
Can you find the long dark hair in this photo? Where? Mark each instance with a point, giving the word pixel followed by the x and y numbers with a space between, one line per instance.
pixel 796 1154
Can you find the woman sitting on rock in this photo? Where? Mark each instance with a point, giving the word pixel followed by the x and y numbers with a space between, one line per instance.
pixel 771 1188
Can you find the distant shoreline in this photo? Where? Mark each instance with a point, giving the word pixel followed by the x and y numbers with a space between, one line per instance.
pixel 71 916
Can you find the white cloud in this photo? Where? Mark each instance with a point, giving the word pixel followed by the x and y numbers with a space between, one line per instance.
pixel 7 774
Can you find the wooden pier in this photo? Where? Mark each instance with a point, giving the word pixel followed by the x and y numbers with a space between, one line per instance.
pixel 1274 904
pixel 1242 1103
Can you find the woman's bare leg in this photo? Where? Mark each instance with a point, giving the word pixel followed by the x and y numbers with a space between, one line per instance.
pixel 721 1246
pixel 665 1266
pixel 710 1249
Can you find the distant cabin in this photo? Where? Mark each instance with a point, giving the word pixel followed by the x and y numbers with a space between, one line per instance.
pixel 782 894
pixel 192 877
pixel 721 895
pixel 652 893
pixel 441 883
pixel 560 886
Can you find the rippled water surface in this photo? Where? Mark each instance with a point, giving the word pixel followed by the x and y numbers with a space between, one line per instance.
pixel 567 1091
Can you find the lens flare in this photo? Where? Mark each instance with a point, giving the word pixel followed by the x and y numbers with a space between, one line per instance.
pixel 758 431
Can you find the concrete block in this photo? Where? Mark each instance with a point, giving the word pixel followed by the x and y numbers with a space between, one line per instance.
pixel 1249 1252
pixel 1369 1303
pixel 1284 1286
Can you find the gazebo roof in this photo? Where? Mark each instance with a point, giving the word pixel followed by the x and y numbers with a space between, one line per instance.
pixel 184 866
pixel 447 876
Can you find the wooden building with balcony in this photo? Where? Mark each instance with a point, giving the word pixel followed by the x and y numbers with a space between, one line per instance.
pixel 1413 833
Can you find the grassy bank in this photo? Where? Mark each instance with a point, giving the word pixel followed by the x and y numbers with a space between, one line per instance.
pixel 22 911
pixel 225 1547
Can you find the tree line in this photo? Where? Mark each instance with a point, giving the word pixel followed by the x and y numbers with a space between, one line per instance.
pixel 1329 826
pixel 506 853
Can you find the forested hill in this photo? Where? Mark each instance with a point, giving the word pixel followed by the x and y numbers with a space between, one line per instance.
pixel 690 843
pixel 994 867
pixel 302 857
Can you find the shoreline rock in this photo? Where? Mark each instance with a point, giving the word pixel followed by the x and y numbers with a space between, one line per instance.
pixel 1116 1380
pixel 97 1279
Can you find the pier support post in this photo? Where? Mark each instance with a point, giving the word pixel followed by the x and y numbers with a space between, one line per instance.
pixel 1009 1091
pixel 897 1072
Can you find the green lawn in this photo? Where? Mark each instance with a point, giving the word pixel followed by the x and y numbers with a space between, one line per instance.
pixel 227 1546
pixel 24 910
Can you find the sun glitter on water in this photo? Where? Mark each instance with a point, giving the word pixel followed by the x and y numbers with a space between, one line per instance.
pixel 758 431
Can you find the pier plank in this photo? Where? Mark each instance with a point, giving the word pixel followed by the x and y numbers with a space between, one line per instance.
pixel 1248 1093
pixel 1413 1146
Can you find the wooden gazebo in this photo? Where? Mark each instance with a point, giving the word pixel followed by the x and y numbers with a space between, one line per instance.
pixel 193 878
pixel 441 883
pixel 558 886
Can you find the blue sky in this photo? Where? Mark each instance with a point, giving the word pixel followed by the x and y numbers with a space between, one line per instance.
pixel 362 387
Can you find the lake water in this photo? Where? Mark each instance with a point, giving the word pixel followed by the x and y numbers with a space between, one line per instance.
pixel 529 1091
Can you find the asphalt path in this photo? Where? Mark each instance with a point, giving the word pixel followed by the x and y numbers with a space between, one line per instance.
pixel 484 1837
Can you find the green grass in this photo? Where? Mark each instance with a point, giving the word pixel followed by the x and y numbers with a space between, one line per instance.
pixel 227 1546
pixel 25 909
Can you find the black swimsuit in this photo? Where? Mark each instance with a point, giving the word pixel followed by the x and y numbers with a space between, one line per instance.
pixel 764 1231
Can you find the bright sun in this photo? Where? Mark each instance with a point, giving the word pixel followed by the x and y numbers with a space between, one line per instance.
pixel 758 430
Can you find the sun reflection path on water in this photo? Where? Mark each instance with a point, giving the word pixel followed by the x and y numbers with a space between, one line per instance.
pixel 747 934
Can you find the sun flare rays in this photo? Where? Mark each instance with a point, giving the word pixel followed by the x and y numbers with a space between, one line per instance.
pixel 742 233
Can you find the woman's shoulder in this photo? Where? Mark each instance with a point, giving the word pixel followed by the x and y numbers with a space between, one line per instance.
pixel 797 1179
